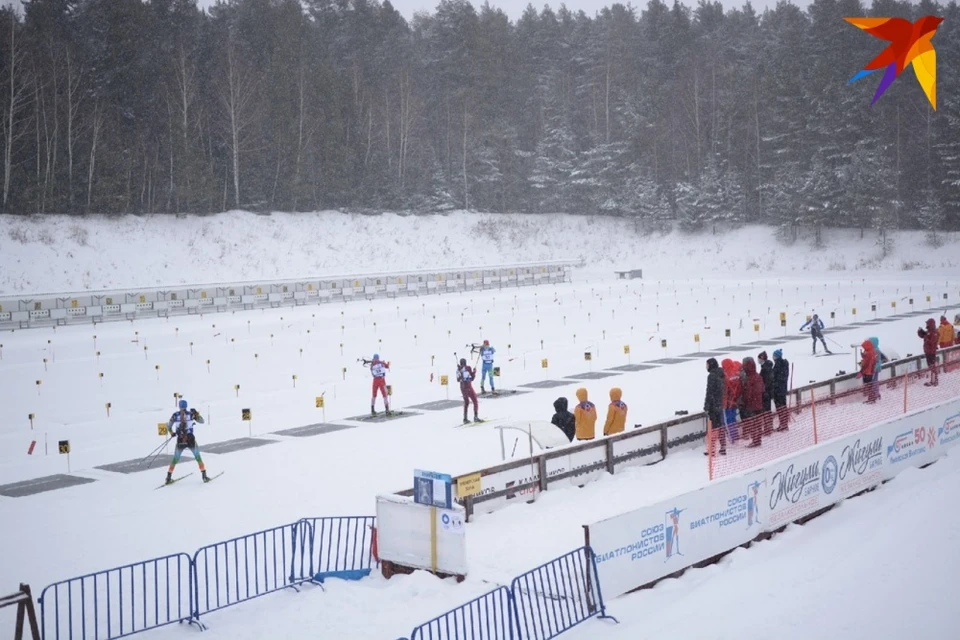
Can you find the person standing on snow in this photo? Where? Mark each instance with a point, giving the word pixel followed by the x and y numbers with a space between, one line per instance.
pixel 585 415
pixel 733 391
pixel 816 332
pixel 868 366
pixel 486 356
pixel 616 414
pixel 781 383
pixel 181 425
pixel 713 404
pixel 378 369
pixel 752 403
pixel 881 359
pixel 563 419
pixel 766 373
pixel 947 333
pixel 465 376
pixel 930 337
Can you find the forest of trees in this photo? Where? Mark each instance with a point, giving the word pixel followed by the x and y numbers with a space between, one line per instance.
pixel 671 114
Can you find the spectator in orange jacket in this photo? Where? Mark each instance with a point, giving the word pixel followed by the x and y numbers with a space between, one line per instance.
pixel 585 415
pixel 616 414
pixel 947 333
pixel 868 365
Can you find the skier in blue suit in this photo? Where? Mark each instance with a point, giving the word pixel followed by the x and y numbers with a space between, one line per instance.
pixel 486 355
pixel 816 332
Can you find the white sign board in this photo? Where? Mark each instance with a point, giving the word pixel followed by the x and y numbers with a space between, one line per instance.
pixel 404 531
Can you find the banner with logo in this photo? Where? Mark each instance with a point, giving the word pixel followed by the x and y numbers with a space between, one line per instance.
pixel 920 438
pixel 641 546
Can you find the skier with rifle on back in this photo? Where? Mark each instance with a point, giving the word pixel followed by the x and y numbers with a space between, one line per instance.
pixel 816 332
pixel 465 376
pixel 181 424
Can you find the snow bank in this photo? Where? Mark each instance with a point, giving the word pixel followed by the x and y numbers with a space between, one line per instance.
pixel 55 253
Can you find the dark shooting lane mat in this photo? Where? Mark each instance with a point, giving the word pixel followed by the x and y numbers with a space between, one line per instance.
pixel 140 464
pixel 396 416
pixel 436 405
pixel 314 430
pixel 229 446
pixel 41 485
pixel 670 361
pixel 546 384
pixel 633 367
pixel 590 375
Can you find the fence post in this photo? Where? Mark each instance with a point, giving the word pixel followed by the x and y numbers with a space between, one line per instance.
pixel 663 441
pixel 608 449
pixel 906 383
pixel 542 468
pixel 813 413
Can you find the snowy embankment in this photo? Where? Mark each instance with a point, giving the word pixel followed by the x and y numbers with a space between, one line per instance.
pixel 54 253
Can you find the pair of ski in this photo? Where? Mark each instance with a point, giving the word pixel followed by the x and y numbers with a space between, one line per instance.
pixel 470 423
pixel 187 475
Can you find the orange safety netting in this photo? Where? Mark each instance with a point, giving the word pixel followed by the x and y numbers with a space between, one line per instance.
pixel 823 413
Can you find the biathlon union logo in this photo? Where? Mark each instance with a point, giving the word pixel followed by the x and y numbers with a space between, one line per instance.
pixel 829 475
pixel 650 542
pixel 743 506
pixel 671 528
pixel 950 430
pixel 913 442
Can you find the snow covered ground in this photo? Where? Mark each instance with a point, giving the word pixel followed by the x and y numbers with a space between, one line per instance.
pixel 120 519
pixel 40 254
pixel 876 566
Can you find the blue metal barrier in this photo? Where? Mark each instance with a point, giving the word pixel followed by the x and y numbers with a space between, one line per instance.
pixel 240 569
pixel 340 547
pixel 557 596
pixel 118 602
pixel 485 618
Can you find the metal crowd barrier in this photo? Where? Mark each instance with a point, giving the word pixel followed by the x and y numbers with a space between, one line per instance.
pixel 119 602
pixel 538 605
pixel 122 601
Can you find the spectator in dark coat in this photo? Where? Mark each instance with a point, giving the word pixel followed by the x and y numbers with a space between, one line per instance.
pixel 930 339
pixel 563 419
pixel 766 373
pixel 781 382
pixel 752 403
pixel 713 403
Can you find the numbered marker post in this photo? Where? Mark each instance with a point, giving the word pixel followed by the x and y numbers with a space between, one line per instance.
pixel 247 416
pixel 545 365
pixel 64 446
pixel 626 352
pixel 445 382
pixel 108 406
pixel 696 339
pixel 320 405
pixel 589 358
pixel 30 417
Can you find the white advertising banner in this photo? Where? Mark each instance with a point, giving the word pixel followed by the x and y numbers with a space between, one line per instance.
pixel 636 548
pixel 641 546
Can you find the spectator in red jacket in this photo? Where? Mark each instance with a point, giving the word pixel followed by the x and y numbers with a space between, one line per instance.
pixel 930 337
pixel 752 403
pixel 731 398
pixel 868 366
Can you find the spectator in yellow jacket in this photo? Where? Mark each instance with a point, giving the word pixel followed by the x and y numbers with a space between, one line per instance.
pixel 947 333
pixel 585 414
pixel 616 414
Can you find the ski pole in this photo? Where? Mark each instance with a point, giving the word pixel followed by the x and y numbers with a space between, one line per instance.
pixel 156 452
